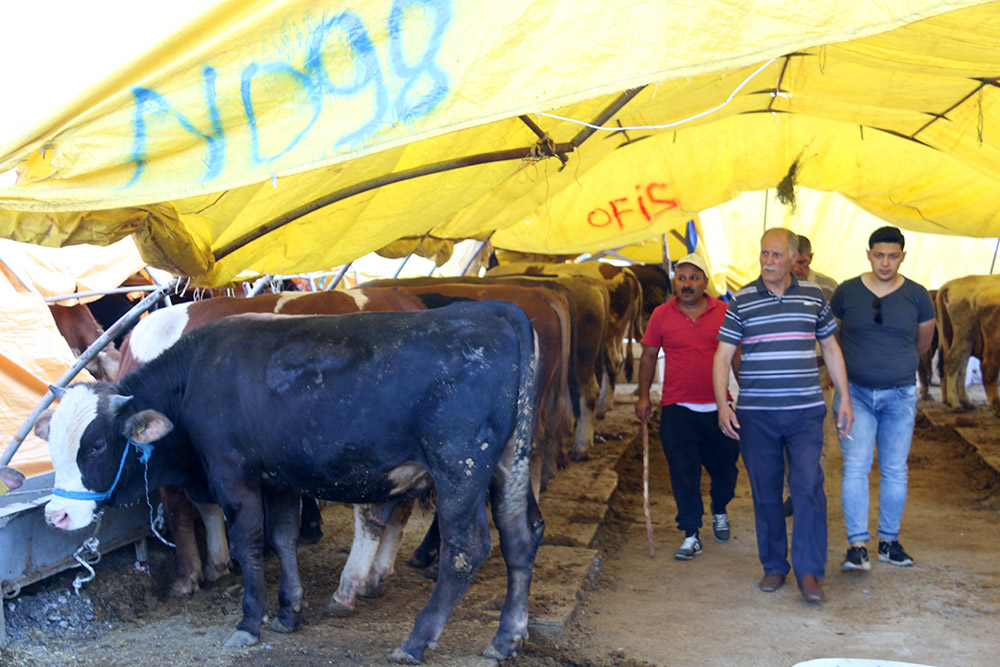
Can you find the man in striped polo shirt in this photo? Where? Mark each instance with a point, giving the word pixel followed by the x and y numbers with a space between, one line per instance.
pixel 777 319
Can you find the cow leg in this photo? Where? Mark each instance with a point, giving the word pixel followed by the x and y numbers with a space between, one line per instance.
pixel 245 515
pixel 604 396
pixel 384 564
pixel 580 451
pixel 358 565
pixel 990 369
pixel 178 512
pixel 465 544
pixel 429 548
pixel 519 522
pixel 282 511
pixel 216 542
pixel 312 522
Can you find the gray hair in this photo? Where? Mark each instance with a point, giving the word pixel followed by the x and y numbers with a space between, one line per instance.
pixel 805 246
pixel 790 237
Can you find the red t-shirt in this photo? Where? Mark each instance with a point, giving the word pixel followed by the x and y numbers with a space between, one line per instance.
pixel 688 350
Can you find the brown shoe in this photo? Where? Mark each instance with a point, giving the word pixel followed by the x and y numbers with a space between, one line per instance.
pixel 771 582
pixel 811 591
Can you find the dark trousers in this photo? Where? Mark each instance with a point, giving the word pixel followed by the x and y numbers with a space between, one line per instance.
pixel 767 437
pixel 691 440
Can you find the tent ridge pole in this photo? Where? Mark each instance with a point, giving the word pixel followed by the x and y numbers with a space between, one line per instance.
pixel 379 181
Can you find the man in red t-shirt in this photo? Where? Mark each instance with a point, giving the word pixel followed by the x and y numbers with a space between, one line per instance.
pixel 686 328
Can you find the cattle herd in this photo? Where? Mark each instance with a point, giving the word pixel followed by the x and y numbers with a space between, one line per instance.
pixel 472 392
pixel 462 390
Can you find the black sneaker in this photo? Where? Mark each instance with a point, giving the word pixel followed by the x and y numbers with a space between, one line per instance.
pixel 856 559
pixel 720 527
pixel 689 549
pixel 892 553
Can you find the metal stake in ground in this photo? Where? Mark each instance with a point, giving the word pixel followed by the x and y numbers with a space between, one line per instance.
pixel 645 488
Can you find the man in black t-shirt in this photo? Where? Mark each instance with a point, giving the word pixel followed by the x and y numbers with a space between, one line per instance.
pixel 886 321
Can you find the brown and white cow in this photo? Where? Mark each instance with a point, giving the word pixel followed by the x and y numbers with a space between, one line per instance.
pixel 588 298
pixel 986 310
pixel 80 329
pixel 959 333
pixel 161 329
pixel 624 313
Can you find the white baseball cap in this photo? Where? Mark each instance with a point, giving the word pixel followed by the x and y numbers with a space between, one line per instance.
pixel 693 260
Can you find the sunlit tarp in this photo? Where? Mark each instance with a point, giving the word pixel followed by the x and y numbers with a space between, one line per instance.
pixel 213 148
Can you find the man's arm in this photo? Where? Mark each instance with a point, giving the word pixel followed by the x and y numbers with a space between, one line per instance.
pixel 925 334
pixel 838 374
pixel 721 364
pixel 647 369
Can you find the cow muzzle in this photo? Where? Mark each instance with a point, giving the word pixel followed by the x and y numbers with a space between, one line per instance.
pixel 69 516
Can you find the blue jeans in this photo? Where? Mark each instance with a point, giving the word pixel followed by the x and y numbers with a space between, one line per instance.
pixel 885 417
pixel 767 439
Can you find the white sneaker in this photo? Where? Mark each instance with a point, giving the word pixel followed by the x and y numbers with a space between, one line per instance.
pixel 689 549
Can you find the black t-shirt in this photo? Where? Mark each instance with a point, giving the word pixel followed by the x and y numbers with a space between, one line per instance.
pixel 881 355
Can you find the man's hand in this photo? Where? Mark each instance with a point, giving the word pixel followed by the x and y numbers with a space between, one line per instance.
pixel 845 417
pixel 643 407
pixel 730 425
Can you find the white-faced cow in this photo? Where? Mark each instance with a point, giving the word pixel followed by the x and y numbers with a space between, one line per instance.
pixel 366 568
pixel 374 408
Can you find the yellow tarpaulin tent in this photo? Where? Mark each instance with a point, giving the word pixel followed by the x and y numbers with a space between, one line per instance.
pixel 295 135
pixel 33 354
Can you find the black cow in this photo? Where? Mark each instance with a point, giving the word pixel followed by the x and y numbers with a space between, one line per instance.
pixel 374 408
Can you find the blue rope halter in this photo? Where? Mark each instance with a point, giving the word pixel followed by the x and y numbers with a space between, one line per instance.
pixel 145 451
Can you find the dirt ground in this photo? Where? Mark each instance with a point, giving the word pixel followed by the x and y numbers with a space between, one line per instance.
pixel 633 610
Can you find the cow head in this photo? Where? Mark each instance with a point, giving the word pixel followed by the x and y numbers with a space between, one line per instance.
pixel 88 435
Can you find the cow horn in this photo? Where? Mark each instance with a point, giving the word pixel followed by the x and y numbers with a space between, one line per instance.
pixel 117 402
pixel 58 392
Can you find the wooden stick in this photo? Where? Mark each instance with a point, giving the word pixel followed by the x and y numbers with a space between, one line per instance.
pixel 645 488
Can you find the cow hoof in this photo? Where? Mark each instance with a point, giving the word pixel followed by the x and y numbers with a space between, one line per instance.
pixel 403 658
pixel 240 638
pixel 374 590
pixel 420 559
pixel 181 588
pixel 278 626
pixel 309 540
pixel 578 456
pixel 339 609
pixel 310 534
pixel 493 654
pixel 216 572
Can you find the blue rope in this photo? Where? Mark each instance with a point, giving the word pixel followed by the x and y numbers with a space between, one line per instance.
pixel 145 451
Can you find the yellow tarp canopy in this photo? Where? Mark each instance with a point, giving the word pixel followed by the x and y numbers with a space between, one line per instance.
pixel 33 354
pixel 296 135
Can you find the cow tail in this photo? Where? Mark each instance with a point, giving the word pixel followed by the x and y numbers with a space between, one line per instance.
pixel 529 370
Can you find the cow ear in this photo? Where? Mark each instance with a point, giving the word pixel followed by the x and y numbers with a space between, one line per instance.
pixel 42 424
pixel 147 426
pixel 117 402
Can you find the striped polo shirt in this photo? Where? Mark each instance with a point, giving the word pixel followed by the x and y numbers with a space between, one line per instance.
pixel 778 369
